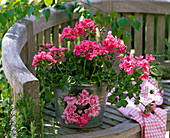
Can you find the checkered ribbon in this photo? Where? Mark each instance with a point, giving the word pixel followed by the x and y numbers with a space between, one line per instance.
pixel 153 126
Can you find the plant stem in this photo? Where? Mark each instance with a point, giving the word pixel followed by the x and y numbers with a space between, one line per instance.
pixel 84 67
pixel 94 67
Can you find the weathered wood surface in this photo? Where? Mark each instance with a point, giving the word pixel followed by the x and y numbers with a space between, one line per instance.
pixel 137 6
pixel 114 123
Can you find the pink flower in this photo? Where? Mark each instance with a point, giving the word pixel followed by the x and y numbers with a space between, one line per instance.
pixel 89 49
pixel 144 76
pixel 133 82
pixel 125 92
pixel 73 118
pixel 69 109
pixel 57 53
pixel 150 57
pixel 128 63
pixel 83 98
pixel 93 100
pixel 84 119
pixel 42 56
pixel 92 111
pixel 113 44
pixel 70 99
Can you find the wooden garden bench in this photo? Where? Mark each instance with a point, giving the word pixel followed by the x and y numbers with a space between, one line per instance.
pixel 21 42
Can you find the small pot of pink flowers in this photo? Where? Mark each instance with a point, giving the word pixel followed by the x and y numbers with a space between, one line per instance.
pixel 83 74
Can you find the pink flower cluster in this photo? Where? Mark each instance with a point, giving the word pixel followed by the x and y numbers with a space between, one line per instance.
pixel 89 49
pixel 80 117
pixel 42 56
pixel 129 63
pixel 80 28
pixel 57 53
pixel 53 54
pixel 45 47
pixel 113 44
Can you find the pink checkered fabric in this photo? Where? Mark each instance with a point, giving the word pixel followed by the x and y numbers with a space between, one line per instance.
pixel 153 126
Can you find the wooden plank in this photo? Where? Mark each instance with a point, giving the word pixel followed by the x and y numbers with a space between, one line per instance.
pixel 55 35
pixel 47 34
pixel 166 98
pixel 110 122
pixel 114 117
pixel 149 33
pixel 31 47
pixel 138 36
pixel 128 29
pixel 113 111
pixel 161 35
pixel 167 94
pixel 137 6
pixel 39 39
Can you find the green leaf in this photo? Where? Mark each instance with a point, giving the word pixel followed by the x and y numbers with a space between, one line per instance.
pixel 136 24
pixel 124 103
pixel 69 14
pixel 126 38
pixel 113 14
pixel 38 15
pixel 46 13
pixel 30 10
pixel 90 3
pixel 131 17
pixel 3 19
pixel 118 104
pixel 48 2
pixel 59 6
pixel 122 22
pixel 26 1
pixel 10 14
pixel 89 12
pixel 114 26
pixel 99 12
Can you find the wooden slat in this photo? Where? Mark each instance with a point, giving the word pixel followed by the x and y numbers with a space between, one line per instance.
pixel 149 33
pixel 39 39
pixel 64 43
pixel 138 36
pixel 161 35
pixel 31 47
pixel 128 29
pixel 47 33
pixel 55 35
pixel 114 117
pixel 137 6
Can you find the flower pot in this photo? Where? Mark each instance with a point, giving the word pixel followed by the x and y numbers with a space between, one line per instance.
pixel 100 92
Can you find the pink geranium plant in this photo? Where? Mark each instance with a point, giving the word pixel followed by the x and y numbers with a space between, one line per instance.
pixel 90 61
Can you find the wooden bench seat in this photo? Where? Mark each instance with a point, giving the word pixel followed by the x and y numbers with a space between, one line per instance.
pixel 22 40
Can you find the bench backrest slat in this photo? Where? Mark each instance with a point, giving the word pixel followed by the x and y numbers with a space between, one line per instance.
pixel 55 35
pixel 149 29
pixel 161 35
pixel 138 37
